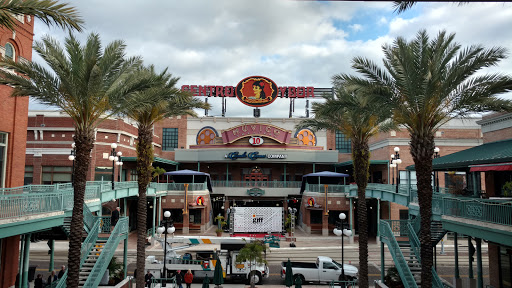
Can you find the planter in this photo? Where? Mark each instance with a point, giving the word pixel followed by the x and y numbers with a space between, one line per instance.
pixel 219 234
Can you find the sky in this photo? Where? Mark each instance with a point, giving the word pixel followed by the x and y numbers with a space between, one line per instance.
pixel 294 43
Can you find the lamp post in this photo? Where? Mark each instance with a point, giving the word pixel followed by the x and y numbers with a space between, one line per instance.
pixel 396 160
pixel 71 157
pixel 119 163
pixel 340 231
pixel 436 181
pixel 292 212
pixel 113 157
pixel 392 165
pixel 166 228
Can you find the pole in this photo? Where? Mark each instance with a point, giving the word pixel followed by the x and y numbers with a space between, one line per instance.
pixel 480 282
pixel 165 254
pixel 26 261
pixel 20 264
pixel 125 256
pixel 471 276
pixel 397 177
pixel 154 217
pixel 342 255
pixel 457 276
pixel 52 243
pixel 325 188
pixel 382 263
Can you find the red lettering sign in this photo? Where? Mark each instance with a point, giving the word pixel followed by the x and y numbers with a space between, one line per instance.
pixel 256 130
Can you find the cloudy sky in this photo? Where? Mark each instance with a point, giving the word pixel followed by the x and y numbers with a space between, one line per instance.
pixel 294 43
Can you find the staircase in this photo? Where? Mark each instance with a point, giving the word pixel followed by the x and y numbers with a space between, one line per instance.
pixel 90 261
pixel 412 260
pixel 436 232
pixel 66 227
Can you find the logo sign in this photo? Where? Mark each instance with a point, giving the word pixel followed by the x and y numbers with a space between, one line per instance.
pixel 200 200
pixel 255 192
pixel 311 201
pixel 256 91
pixel 256 141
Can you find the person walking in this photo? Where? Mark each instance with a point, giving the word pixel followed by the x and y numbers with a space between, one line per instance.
pixel 62 271
pixel 38 283
pixel 147 278
pixel 179 280
pixel 52 278
pixel 115 217
pixel 188 278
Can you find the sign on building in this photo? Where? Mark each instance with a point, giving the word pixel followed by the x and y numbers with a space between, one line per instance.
pixel 257 219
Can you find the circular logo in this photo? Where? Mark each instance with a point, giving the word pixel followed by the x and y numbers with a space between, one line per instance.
pixel 256 91
pixel 200 200
pixel 311 201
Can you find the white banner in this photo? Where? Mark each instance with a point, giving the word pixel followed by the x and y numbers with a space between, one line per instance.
pixel 258 219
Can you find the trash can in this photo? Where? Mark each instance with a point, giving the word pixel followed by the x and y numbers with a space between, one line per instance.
pixel 31 273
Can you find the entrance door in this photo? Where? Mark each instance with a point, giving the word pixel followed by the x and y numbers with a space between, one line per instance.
pixel 256 174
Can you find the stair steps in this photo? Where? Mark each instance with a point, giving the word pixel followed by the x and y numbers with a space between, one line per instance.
pixel 90 261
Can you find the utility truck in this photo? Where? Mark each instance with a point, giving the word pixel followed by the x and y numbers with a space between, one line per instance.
pixel 323 270
pixel 201 260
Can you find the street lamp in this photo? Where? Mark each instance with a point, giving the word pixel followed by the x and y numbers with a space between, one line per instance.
pixel 436 181
pixel 392 165
pixel 71 157
pixel 396 160
pixel 113 157
pixel 120 163
pixel 292 211
pixel 340 231
pixel 166 228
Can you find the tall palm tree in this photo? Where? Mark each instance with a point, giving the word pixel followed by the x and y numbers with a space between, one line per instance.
pixel 359 116
pixel 48 11
pixel 430 81
pixel 147 107
pixel 86 82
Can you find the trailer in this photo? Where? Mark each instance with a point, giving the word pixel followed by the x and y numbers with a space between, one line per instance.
pixel 201 261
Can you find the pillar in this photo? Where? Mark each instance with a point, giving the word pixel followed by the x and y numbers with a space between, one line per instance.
pixel 382 263
pixel 480 280
pixel 378 219
pixel 472 281
pixel 26 261
pixel 154 217
pixel 51 242
pixel 351 222
pixel 125 256
pixel 21 262
pixel 325 225
pixel 125 207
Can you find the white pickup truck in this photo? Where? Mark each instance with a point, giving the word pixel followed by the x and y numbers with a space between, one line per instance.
pixel 323 270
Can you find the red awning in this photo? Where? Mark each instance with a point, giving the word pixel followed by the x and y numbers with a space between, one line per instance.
pixel 498 167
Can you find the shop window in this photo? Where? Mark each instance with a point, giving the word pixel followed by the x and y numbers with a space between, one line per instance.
pixel 56 174
pixel 170 139
pixel 29 175
pixel 343 144
pixel 176 215
pixel 3 158
pixel 103 174
pixel 316 216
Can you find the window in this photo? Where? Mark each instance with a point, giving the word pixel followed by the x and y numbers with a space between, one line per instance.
pixel 343 144
pixel 3 158
pixel 56 174
pixel 9 51
pixel 133 175
pixel 195 216
pixel 29 175
pixel 170 139
pixel 103 174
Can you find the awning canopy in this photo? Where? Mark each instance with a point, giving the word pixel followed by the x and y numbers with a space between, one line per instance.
pixel 491 167
pixel 190 176
pixel 324 177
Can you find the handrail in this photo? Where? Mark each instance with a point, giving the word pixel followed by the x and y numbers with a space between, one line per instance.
pixel 120 231
pixel 89 242
pixel 330 188
pixel 346 283
pixel 416 248
pixel 266 184
pixel 20 205
pixel 400 263
pixel 172 280
pixel 89 219
pixel 178 186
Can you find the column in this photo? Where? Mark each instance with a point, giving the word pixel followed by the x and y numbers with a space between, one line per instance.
pixel 480 280
pixel 125 256
pixel 125 207
pixel 154 218
pixel 20 264
pixel 26 261
pixel 382 263
pixel 51 243
pixel 378 219
pixel 351 222
pixel 159 210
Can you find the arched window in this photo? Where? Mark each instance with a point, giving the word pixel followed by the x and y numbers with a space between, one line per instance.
pixel 9 51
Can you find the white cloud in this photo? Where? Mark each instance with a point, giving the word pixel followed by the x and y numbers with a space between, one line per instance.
pixel 295 43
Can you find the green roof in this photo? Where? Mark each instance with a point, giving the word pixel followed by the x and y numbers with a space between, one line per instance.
pixel 372 162
pixel 488 153
pixel 156 159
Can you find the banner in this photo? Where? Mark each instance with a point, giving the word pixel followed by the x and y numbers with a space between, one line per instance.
pixel 257 219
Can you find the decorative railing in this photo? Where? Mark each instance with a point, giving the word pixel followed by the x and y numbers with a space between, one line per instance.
pixel 386 235
pixel 491 211
pixel 105 224
pixel 330 188
pixel 178 186
pixel 399 227
pixel 90 241
pixel 266 184
pixel 157 282
pixel 89 219
pixel 20 205
pixel 120 231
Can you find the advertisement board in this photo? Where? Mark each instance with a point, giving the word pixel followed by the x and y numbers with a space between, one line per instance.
pixel 257 219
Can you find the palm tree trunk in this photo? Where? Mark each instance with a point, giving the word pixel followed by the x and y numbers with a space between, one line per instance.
pixel 422 149
pixel 84 144
pixel 361 156
pixel 144 161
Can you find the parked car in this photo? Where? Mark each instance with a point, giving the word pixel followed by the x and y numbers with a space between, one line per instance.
pixel 323 270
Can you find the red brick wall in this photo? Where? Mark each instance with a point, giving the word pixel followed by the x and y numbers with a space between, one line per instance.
pixel 498 135
pixel 173 122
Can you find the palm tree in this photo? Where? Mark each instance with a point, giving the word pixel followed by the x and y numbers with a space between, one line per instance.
pixel 359 116
pixel 402 6
pixel 48 11
pixel 147 107
pixel 430 81
pixel 86 82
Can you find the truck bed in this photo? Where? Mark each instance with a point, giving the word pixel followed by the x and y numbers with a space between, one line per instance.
pixel 300 265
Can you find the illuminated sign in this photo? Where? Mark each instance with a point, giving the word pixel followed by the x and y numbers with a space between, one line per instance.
pixel 254 155
pixel 256 129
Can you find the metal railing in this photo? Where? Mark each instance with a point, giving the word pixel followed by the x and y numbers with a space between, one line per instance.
pixel 346 283
pixel 399 227
pixel 156 282
pixel 178 186
pixel 120 231
pixel 266 184
pixel 20 205
pixel 386 235
pixel 491 211
pixel 330 188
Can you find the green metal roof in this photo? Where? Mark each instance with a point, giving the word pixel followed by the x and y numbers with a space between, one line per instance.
pixel 372 162
pixel 156 159
pixel 489 153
